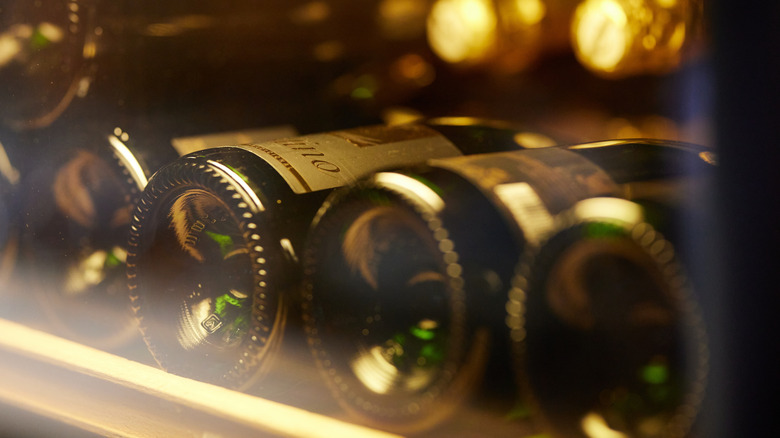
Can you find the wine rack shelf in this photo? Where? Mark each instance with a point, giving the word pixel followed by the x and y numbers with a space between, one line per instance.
pixel 101 393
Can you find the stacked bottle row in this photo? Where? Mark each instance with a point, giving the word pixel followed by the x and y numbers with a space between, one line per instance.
pixel 425 266
pixel 375 53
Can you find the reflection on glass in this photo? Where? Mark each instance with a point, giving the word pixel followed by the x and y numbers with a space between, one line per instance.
pixel 9 178
pixel 198 315
pixel 83 189
pixel 217 314
pixel 401 339
pixel 610 343
pixel 43 52
pixel 8 173
pixel 76 242
pixel 386 319
pixel 533 140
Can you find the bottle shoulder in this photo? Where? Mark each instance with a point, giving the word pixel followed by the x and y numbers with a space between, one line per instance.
pixel 240 164
pixel 228 173
pixel 643 159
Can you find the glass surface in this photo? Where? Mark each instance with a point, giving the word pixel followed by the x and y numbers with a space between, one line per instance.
pixel 43 57
pixel 607 347
pixel 77 215
pixel 200 323
pixel 384 303
pixel 617 69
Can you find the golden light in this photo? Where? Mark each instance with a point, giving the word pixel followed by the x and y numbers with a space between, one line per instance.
pixel 615 208
pixel 595 426
pixel 398 115
pixel 533 140
pixel 462 31
pixel 532 11
pixel 413 68
pixel 617 38
pixel 12 42
pixel 7 169
pixel 52 32
pixel 127 157
pixel 601 34
pixel 500 36
pixel 425 194
pixel 103 393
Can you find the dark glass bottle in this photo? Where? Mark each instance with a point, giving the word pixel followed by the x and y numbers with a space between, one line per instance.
pixel 48 48
pixel 608 335
pixel 148 54
pixel 614 284
pixel 407 276
pixel 77 203
pixel 215 239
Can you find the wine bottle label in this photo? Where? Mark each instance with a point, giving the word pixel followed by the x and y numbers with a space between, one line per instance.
pixel 186 145
pixel 533 185
pixel 326 161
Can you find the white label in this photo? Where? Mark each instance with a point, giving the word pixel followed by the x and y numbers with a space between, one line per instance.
pixel 326 161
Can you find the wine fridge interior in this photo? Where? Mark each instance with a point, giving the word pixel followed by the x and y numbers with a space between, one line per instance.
pixel 424 218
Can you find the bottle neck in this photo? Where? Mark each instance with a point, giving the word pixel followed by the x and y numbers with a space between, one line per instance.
pixel 628 161
pixel 670 178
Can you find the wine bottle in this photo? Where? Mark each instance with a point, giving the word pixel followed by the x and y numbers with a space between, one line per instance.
pixel 407 275
pixel 77 203
pixel 47 54
pixel 608 336
pixel 600 251
pixel 214 241
pixel 142 55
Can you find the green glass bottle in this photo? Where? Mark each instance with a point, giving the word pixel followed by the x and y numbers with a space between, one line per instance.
pixel 608 335
pixel 216 236
pixel 76 205
pixel 143 55
pixel 408 275
pixel 46 58
pixel 614 284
